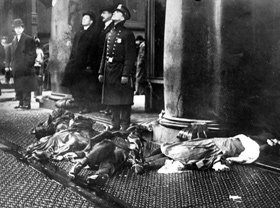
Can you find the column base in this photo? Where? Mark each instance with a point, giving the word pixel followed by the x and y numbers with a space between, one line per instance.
pixel 48 101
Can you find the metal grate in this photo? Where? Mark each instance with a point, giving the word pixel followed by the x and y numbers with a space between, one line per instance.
pixel 256 187
pixel 22 186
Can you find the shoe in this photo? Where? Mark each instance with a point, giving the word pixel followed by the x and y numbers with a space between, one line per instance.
pixel 18 106
pixel 97 179
pixel 75 170
pixel 27 107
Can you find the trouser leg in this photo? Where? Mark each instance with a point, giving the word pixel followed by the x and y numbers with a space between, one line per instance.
pixel 113 163
pixel 125 116
pixel 155 152
pixel 19 97
pixel 116 111
pixel 154 157
pixel 7 77
pixel 26 98
pixel 157 163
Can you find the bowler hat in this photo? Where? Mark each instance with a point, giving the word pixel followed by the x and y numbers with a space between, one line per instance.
pixel 18 23
pixel 90 14
pixel 108 9
pixel 124 10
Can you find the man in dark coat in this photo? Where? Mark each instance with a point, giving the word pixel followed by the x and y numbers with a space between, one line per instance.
pixel 81 72
pixel 8 70
pixel 117 63
pixel 23 55
pixel 106 15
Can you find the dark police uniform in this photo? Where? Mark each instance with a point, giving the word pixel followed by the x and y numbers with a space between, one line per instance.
pixel 118 60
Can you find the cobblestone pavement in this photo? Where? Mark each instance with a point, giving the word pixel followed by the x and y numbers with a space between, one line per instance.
pixel 25 186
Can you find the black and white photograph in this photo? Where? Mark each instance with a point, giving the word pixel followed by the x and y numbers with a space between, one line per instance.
pixel 139 103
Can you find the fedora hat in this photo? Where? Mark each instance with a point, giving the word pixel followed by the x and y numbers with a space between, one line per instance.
pixel 124 10
pixel 90 14
pixel 18 23
pixel 107 9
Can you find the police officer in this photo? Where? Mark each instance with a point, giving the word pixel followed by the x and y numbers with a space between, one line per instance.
pixel 117 64
pixel 106 15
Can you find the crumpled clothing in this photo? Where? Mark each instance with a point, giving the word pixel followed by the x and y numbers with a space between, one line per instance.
pixel 50 147
pixel 49 127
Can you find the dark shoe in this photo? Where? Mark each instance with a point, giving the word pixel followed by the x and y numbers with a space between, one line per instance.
pixel 75 170
pixel 97 179
pixel 18 106
pixel 27 107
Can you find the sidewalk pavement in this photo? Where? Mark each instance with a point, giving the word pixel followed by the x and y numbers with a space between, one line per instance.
pixel 244 186
pixel 138 114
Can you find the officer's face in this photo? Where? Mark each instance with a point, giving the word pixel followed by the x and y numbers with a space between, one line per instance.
pixel 117 16
pixel 106 16
pixel 19 30
pixel 86 21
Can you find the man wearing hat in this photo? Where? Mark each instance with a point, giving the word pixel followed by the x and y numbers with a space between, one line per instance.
pixel 117 64
pixel 23 55
pixel 106 15
pixel 81 72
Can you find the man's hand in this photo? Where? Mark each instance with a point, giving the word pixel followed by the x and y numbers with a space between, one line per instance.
pixel 7 69
pixel 124 80
pixel 101 78
pixel 220 167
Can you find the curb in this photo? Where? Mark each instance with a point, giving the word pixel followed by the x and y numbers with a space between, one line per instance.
pixel 6 99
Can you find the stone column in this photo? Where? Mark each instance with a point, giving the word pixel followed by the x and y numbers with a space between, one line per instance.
pixel 221 65
pixel 192 65
pixel 60 43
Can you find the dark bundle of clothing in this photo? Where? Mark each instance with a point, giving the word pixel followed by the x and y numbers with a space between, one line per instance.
pixel 50 126
pixel 107 152
pixel 69 134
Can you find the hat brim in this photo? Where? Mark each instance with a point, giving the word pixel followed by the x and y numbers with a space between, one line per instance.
pixel 126 15
pixel 106 10
pixel 21 25
pixel 118 10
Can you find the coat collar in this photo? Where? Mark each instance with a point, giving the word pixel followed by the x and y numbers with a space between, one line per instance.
pixel 119 25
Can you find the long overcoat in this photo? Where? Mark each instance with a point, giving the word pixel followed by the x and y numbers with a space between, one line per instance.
pixel 102 38
pixel 119 56
pixel 84 53
pixel 23 55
